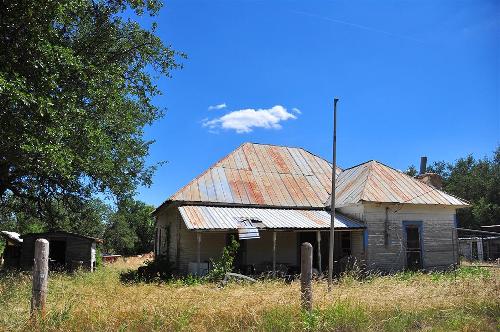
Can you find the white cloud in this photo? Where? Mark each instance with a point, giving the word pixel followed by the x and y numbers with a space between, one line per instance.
pixel 217 107
pixel 243 121
pixel 296 110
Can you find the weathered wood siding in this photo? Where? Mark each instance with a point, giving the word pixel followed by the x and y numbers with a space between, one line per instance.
pixel 167 233
pixel 77 249
pixel 439 245
pixel 181 244
pixel 357 248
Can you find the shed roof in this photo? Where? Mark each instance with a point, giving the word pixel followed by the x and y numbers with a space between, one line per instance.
pixel 12 236
pixel 62 233
pixel 198 217
pixel 375 182
pixel 262 175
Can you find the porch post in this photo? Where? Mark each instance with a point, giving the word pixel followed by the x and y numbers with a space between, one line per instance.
pixel 274 254
pixel 318 239
pixel 198 254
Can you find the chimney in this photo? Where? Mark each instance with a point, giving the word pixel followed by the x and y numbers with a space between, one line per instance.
pixel 431 179
pixel 423 165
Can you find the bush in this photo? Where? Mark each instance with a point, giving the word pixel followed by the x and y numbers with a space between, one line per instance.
pixel 160 269
pixel 224 264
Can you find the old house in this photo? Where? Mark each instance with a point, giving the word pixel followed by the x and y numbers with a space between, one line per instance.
pixel 67 251
pixel 273 198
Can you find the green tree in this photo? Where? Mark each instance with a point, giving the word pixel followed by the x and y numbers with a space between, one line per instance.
pixel 131 228
pixel 76 89
pixel 477 181
pixel 88 217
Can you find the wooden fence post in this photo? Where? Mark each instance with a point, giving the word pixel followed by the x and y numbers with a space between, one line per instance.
pixel 40 276
pixel 306 258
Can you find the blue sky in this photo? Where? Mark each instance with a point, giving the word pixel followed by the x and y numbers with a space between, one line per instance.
pixel 413 77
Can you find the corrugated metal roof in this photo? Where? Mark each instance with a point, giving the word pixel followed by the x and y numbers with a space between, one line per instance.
pixel 13 236
pixel 376 182
pixel 224 218
pixel 261 174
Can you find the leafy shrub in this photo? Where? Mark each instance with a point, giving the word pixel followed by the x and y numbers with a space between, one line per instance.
pixel 224 264
pixel 160 269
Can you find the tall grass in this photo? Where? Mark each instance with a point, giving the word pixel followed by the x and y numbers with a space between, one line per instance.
pixel 464 301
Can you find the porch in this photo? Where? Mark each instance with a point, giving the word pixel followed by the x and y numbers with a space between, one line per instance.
pixel 273 246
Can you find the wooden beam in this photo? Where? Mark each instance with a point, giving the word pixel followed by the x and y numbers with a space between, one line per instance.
pixel 40 276
pixel 318 239
pixel 306 276
pixel 198 254
pixel 274 254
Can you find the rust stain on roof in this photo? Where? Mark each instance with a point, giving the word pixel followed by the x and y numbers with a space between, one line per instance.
pixel 263 175
pixel 375 182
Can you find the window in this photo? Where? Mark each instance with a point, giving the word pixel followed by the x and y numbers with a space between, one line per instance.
pixel 345 243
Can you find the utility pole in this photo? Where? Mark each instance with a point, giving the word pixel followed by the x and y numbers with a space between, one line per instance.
pixel 332 200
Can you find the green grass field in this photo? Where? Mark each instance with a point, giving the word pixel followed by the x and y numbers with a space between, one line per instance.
pixel 468 300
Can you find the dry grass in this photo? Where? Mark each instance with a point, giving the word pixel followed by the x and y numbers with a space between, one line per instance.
pixel 100 302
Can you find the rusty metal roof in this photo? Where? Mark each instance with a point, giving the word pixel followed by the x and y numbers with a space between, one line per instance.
pixel 199 217
pixel 375 182
pixel 263 175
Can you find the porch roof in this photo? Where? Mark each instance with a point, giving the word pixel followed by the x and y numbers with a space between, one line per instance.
pixel 200 217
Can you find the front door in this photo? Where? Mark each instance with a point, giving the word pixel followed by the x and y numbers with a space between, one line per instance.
pixel 413 238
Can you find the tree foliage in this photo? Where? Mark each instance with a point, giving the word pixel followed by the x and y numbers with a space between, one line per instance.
pixel 76 91
pixel 130 229
pixel 477 181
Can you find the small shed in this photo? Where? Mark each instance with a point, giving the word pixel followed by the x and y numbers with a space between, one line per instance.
pixel 12 250
pixel 67 251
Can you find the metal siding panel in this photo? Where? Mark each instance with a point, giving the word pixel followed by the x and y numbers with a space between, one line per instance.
pixel 318 188
pixel 252 158
pixel 297 195
pixel 232 180
pixel 223 218
pixel 261 154
pixel 254 188
pixel 228 196
pixel 209 184
pixel 278 160
pixel 241 187
pixel 310 160
pixel 275 188
pixel 299 160
pixel 219 191
pixel 308 191
pixel 203 190
pixel 268 187
pixel 261 187
pixel 290 162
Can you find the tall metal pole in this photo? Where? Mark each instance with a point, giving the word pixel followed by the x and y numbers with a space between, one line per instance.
pixel 332 202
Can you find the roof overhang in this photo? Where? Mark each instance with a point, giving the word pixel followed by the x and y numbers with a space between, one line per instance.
pixel 12 237
pixel 200 217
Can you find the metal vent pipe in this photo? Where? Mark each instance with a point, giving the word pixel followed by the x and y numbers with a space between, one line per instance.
pixel 423 165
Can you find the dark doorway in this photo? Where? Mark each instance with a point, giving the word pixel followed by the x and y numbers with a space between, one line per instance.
pixel 342 249
pixel 57 253
pixel 413 237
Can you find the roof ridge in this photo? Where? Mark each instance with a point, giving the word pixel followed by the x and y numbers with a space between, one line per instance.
pixel 368 177
pixel 292 147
